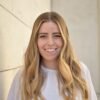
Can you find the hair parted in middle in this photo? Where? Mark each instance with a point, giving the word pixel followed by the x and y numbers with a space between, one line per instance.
pixel 69 71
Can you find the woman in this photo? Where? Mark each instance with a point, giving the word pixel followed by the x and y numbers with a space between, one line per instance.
pixel 51 70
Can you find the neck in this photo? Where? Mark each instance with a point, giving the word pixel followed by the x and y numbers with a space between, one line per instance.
pixel 50 64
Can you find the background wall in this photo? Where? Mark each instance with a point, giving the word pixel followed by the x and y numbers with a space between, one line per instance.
pixel 82 18
pixel 16 20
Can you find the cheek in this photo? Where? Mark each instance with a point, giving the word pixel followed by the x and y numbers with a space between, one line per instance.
pixel 40 43
pixel 59 43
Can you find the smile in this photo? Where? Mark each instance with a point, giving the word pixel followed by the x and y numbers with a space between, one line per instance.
pixel 51 50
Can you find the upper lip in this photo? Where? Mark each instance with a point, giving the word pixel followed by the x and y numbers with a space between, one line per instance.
pixel 50 48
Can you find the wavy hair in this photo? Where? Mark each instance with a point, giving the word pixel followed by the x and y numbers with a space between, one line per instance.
pixel 69 71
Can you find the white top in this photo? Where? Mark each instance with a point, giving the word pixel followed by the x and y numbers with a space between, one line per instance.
pixel 50 87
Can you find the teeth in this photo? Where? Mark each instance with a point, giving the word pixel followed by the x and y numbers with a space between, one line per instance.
pixel 50 50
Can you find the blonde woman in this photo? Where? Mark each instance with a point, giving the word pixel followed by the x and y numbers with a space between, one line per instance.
pixel 51 70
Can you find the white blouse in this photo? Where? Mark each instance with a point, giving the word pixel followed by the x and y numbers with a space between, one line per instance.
pixel 50 87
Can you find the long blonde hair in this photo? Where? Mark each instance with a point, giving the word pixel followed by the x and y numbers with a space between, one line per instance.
pixel 69 70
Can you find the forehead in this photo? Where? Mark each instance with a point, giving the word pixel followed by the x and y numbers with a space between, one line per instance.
pixel 49 26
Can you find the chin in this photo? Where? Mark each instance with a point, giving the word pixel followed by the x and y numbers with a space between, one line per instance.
pixel 51 59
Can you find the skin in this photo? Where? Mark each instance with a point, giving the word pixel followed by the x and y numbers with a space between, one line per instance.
pixel 49 44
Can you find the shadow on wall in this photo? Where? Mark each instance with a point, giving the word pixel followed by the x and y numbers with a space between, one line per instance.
pixel 6 75
pixel 1 50
pixel 1 87
pixel 1 67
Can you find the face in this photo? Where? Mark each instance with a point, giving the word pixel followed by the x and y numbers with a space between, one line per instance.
pixel 49 41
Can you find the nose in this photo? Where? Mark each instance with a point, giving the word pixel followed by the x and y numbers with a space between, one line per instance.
pixel 50 41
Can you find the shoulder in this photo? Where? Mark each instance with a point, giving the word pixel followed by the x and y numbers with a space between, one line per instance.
pixel 15 87
pixel 83 67
pixel 84 70
pixel 87 76
pixel 17 77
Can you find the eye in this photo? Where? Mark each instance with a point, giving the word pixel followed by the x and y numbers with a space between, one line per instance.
pixel 57 35
pixel 42 36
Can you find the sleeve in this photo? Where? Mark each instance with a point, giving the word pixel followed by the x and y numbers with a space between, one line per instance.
pixel 14 92
pixel 87 77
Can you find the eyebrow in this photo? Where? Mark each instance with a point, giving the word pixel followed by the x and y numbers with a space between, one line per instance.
pixel 56 33
pixel 47 33
pixel 42 33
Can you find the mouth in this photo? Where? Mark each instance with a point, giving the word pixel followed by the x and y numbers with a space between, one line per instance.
pixel 51 50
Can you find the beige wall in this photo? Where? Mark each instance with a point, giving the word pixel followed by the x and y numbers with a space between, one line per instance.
pixel 16 20
pixel 82 20
pixel 99 36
